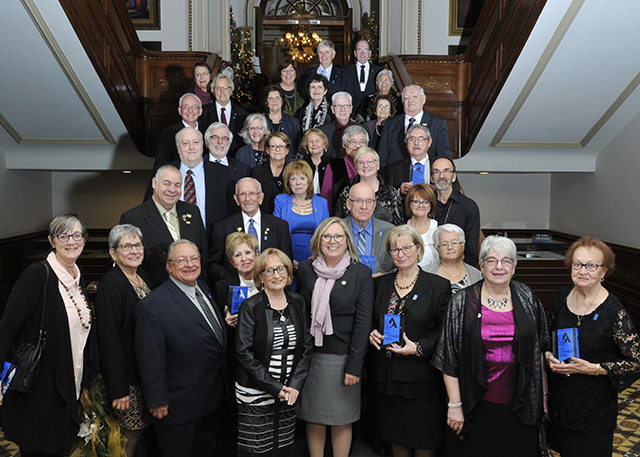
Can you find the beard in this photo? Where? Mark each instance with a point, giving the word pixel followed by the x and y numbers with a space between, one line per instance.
pixel 443 184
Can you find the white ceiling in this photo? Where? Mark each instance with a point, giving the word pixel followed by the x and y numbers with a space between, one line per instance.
pixel 573 89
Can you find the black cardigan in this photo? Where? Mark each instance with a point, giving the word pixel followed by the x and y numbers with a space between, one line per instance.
pixel 254 339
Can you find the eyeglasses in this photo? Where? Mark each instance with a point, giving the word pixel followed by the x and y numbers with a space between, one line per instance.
pixel 126 247
pixel 251 195
pixel 281 270
pixel 383 107
pixel 491 262
pixel 445 172
pixel 453 244
pixel 64 237
pixel 362 163
pixel 360 202
pixel 184 260
pixel 256 129
pixel 357 142
pixel 342 106
pixel 190 107
pixel 589 266
pixel 203 74
pixel 420 202
pixel 417 139
pixel 404 249
pixel 221 88
pixel 217 138
pixel 278 147
pixel 338 237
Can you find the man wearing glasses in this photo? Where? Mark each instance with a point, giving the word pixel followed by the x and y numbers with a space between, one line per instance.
pixel 190 109
pixel 218 139
pixel 456 208
pixel 416 168
pixel 341 107
pixel 271 231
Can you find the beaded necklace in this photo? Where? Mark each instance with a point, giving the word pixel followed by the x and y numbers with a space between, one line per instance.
pixel 86 304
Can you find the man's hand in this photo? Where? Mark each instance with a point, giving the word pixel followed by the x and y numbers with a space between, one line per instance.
pixel 160 412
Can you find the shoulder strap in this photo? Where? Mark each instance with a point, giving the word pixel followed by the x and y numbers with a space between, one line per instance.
pixel 44 297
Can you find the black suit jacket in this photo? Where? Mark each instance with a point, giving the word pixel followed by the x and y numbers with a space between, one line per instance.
pixel 181 361
pixel 337 81
pixel 167 149
pixel 157 237
pixel 237 169
pixel 424 312
pixel 399 172
pixel 274 233
pixel 235 121
pixel 392 147
pixel 352 73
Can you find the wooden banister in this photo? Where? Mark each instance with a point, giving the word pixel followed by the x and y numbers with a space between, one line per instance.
pixel 144 86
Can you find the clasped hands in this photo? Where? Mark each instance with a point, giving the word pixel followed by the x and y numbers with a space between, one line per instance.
pixel 409 348
pixel 577 365
pixel 289 394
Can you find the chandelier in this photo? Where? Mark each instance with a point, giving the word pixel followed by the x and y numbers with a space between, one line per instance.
pixel 300 43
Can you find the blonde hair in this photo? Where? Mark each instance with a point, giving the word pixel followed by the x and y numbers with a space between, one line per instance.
pixel 261 265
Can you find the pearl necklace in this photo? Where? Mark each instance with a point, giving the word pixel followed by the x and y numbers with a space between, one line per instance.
pixel 78 310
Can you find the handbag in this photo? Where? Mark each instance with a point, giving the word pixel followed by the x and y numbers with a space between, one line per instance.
pixel 26 356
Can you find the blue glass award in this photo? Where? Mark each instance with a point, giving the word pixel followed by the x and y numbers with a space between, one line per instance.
pixel 237 294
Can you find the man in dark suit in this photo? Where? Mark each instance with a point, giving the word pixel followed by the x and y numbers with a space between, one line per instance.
pixel 162 220
pixel 392 146
pixel 180 347
pixel 218 139
pixel 222 110
pixel 342 107
pixel 271 232
pixel 333 73
pixel 369 233
pixel 361 76
pixel 190 109
pixel 414 169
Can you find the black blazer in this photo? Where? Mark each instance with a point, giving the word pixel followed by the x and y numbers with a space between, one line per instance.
pixel 290 126
pixel 157 237
pixel 115 311
pixel 352 73
pixel 181 361
pixel 238 171
pixel 399 172
pixel 254 340
pixel 167 149
pixel 337 82
pixel 423 313
pixel 235 121
pixel 392 147
pixel 271 185
pixel 274 234
pixel 350 301
pixel 47 419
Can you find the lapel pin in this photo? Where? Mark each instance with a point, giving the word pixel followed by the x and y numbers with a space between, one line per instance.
pixel 344 283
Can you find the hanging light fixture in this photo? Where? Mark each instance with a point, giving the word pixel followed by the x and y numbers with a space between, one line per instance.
pixel 300 43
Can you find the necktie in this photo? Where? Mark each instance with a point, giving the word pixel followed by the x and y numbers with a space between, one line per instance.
pixel 362 243
pixel 189 188
pixel 324 73
pixel 252 229
pixel 223 117
pixel 361 74
pixel 170 226
pixel 215 325
pixel 418 174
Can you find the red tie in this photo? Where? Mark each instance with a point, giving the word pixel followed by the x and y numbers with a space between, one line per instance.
pixel 189 189
pixel 223 117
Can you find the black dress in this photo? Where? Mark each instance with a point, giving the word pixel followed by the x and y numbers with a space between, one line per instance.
pixel 585 408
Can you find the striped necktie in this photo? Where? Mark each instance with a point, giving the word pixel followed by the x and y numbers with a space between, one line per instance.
pixel 172 228
pixel 189 188
pixel 213 321
pixel 362 243
pixel 252 229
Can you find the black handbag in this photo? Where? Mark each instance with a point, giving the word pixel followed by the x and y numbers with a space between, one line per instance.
pixel 26 356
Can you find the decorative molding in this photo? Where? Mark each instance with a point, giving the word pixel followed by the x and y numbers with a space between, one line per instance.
pixel 545 58
pixel 9 128
pixel 531 144
pixel 67 69
pixel 433 84
pixel 190 25
pixel 420 28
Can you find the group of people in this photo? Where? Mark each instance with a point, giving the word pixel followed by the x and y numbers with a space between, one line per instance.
pixel 264 284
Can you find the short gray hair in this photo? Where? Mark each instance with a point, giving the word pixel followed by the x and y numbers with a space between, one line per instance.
pixel 354 130
pixel 341 94
pixel 119 231
pixel 500 245
pixel 177 137
pixel 189 94
pixel 244 133
pixel 387 72
pixel 222 75
pixel 411 86
pixel 217 125
pixel 177 243
pixel 424 128
pixel 254 180
pixel 164 168
pixel 327 44
pixel 65 222
pixel 366 150
pixel 449 228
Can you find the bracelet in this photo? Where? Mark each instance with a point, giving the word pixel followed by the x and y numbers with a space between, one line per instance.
pixel 597 369
pixel 454 405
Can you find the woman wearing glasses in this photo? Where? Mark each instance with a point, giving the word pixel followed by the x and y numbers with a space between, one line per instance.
pixel 449 241
pixel 420 206
pixel 253 133
pixel 120 290
pixel 490 353
pixel 388 203
pixel 407 384
pixel 277 119
pixel 273 348
pixel 46 421
pixel 583 391
pixel 339 291
pixel 271 173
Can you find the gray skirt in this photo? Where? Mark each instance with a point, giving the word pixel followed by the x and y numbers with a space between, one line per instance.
pixel 324 398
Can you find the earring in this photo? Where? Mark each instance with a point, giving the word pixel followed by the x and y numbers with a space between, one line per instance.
pixel 602 279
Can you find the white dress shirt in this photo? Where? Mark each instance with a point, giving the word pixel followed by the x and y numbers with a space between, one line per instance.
pixel 257 223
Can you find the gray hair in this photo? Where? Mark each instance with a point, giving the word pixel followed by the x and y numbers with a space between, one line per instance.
pixel 164 168
pixel 411 86
pixel 177 243
pixel 327 44
pixel 366 150
pixel 244 133
pixel 189 94
pixel 119 231
pixel 217 125
pixel 222 75
pixel 341 94
pixel 387 72
pixel 65 222
pixel 424 128
pixel 450 228
pixel 500 245
pixel 177 137
pixel 249 179
pixel 353 130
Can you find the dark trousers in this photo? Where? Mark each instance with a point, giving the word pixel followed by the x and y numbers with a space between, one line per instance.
pixel 196 438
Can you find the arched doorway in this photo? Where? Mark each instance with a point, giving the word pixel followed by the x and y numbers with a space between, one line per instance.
pixel 330 19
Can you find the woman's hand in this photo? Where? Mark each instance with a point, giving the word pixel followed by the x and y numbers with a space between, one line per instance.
pixel 289 394
pixel 295 265
pixel 0 399
pixel 409 348
pixel 455 419
pixel 577 366
pixel 230 319
pixel 375 338
pixel 121 404
pixel 350 380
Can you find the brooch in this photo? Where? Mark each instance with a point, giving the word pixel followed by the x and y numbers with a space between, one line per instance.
pixel 239 229
pixel 344 283
pixel 186 218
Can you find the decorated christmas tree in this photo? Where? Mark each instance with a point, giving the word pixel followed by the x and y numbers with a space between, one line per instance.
pixel 369 32
pixel 242 61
